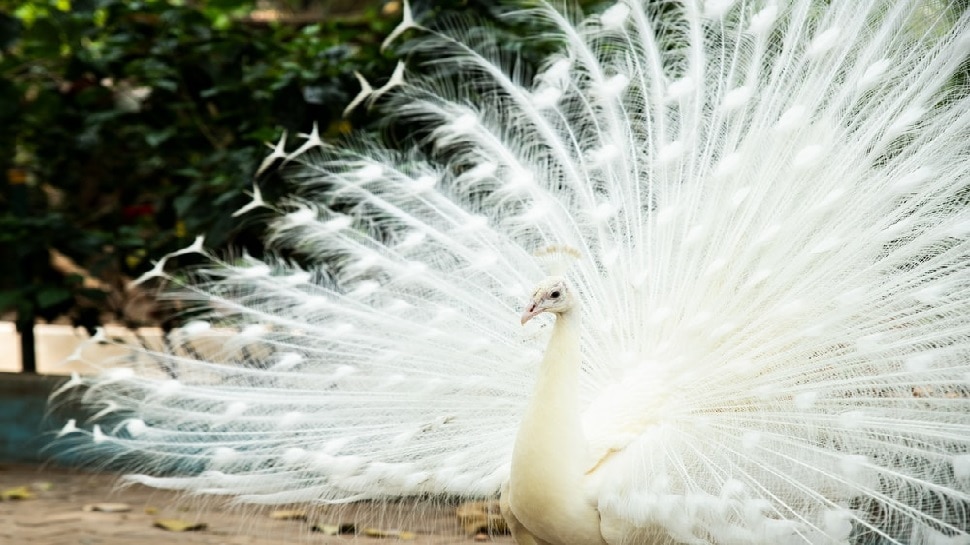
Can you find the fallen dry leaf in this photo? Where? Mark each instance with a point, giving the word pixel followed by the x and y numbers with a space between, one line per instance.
pixel 107 507
pixel 375 532
pixel 288 514
pixel 16 493
pixel 178 525
pixel 335 529
pixel 479 517
pixel 326 529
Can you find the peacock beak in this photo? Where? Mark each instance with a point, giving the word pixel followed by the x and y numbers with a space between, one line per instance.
pixel 531 312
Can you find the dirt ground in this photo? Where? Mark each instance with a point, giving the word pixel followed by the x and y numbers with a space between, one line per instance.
pixel 51 506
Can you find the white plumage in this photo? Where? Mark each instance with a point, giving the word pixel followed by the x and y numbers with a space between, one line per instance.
pixel 771 206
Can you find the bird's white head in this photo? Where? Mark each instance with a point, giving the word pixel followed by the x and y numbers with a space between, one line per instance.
pixel 552 294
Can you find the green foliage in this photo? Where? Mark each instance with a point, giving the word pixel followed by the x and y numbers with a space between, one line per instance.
pixel 139 124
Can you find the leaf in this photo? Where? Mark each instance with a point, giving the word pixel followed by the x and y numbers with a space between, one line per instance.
pixel 326 529
pixel 10 298
pixel 93 294
pixel 49 296
pixel 335 529
pixel 481 516
pixel 179 525
pixel 288 514
pixel 154 139
pixel 184 203
pixel 107 507
pixel 166 84
pixel 16 493
pixel 375 532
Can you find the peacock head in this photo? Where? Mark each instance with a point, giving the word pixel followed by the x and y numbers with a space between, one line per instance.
pixel 553 294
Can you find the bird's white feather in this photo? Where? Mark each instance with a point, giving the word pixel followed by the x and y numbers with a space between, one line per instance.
pixel 770 201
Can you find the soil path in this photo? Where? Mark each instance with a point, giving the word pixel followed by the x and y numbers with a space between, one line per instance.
pixel 51 511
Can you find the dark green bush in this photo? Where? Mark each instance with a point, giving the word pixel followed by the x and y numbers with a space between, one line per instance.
pixel 136 126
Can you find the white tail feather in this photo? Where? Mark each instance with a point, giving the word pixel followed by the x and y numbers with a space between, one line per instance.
pixel 771 202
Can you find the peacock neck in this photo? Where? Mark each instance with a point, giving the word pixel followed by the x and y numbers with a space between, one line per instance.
pixel 550 448
pixel 555 402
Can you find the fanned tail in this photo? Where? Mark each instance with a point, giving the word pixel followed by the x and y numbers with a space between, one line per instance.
pixel 790 360
pixel 771 201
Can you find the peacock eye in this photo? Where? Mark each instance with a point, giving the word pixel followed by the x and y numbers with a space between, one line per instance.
pixel 555 294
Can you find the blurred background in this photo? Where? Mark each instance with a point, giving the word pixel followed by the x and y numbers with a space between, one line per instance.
pixel 128 128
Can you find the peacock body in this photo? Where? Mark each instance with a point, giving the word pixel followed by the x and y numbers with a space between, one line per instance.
pixel 768 331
